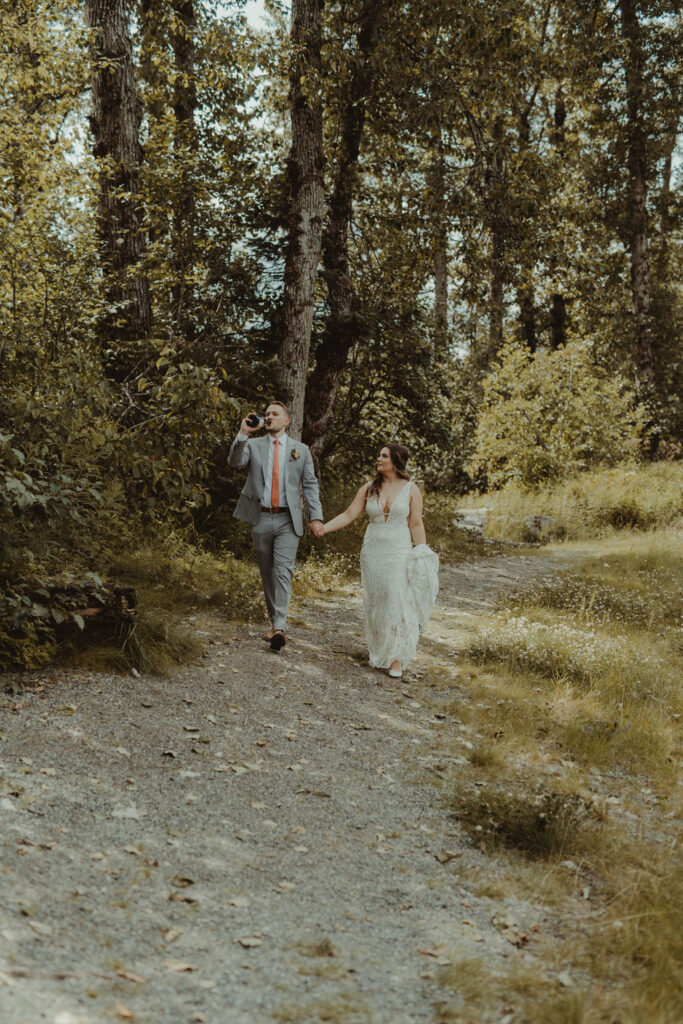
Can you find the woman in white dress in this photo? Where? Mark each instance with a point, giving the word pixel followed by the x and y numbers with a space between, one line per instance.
pixel 400 581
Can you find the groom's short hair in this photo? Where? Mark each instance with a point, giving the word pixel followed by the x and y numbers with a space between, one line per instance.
pixel 283 407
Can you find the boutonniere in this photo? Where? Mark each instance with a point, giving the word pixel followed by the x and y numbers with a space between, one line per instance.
pixel 295 455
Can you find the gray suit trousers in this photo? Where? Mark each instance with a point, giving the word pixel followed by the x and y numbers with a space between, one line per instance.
pixel 276 543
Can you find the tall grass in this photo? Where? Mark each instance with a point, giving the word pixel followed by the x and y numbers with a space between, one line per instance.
pixel 573 702
pixel 590 504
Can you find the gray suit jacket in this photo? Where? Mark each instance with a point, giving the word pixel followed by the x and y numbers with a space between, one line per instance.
pixel 300 476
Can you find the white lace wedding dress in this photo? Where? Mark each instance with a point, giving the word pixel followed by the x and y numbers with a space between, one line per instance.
pixel 400 583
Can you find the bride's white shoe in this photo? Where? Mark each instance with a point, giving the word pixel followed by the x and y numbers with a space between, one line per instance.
pixel 395 673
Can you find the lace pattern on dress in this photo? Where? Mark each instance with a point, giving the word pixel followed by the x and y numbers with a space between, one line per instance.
pixel 391 617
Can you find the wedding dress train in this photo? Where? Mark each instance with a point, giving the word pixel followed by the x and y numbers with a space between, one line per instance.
pixel 400 583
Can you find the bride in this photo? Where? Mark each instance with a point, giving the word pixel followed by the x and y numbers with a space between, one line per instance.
pixel 400 581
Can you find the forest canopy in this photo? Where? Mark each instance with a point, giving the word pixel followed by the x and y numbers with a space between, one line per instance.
pixel 375 210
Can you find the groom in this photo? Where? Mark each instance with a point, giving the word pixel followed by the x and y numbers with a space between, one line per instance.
pixel 279 468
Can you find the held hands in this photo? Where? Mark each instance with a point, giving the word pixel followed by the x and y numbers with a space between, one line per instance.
pixel 317 529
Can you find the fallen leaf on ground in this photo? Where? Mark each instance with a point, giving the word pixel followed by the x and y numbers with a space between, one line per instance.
pixel 250 941
pixel 181 881
pixel 238 901
pixel 182 897
pixel 40 928
pixel 131 976
pixel 169 753
pixel 171 934
pixel 124 1013
pixel 179 965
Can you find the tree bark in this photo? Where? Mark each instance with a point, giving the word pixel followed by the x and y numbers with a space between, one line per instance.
pixel 637 194
pixel 440 253
pixel 558 321
pixel 664 198
pixel 527 314
pixel 525 289
pixel 558 312
pixel 497 225
pixel 307 204
pixel 185 147
pixel 344 325
pixel 115 124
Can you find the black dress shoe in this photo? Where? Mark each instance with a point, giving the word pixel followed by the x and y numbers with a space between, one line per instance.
pixel 277 641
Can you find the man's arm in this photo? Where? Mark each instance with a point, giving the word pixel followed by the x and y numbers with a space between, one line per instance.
pixel 240 453
pixel 309 485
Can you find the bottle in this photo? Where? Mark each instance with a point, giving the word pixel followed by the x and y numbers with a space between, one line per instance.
pixel 254 421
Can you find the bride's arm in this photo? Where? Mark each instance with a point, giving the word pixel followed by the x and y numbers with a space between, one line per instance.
pixel 417 530
pixel 352 512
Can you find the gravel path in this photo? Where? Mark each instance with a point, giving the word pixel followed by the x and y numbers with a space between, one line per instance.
pixel 257 838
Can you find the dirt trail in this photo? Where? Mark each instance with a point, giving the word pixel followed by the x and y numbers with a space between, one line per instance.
pixel 257 838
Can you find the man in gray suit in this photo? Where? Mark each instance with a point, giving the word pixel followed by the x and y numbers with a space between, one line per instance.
pixel 279 469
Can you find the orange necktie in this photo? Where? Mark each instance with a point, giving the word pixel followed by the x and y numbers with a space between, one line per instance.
pixel 275 489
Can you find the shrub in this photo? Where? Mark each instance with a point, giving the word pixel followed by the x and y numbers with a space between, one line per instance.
pixel 541 825
pixel 549 413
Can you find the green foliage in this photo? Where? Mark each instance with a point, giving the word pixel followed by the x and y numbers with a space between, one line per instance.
pixel 165 455
pixel 592 503
pixel 91 458
pixel 548 414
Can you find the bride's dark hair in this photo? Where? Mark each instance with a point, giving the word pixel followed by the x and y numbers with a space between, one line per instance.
pixel 399 458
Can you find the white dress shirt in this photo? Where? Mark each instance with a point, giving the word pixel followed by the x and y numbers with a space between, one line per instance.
pixel 267 490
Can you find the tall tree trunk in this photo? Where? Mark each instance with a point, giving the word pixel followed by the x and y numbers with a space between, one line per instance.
pixel 497 226
pixel 440 251
pixel 525 289
pixel 527 313
pixel 307 203
pixel 115 124
pixel 558 311
pixel 154 86
pixel 558 321
pixel 343 325
pixel 664 199
pixel 637 194
pixel 185 148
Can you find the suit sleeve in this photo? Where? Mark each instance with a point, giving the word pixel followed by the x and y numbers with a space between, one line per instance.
pixel 309 485
pixel 240 453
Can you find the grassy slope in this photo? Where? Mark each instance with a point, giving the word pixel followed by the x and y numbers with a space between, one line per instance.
pixel 572 788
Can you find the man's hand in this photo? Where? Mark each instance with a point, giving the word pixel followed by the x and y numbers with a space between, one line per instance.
pixel 245 428
pixel 317 529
